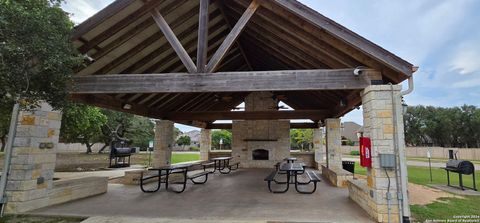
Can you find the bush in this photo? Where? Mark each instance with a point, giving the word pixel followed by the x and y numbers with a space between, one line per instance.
pixel 355 153
pixel 194 148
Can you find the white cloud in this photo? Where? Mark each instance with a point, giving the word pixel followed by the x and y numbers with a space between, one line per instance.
pixel 84 9
pixel 474 82
pixel 467 58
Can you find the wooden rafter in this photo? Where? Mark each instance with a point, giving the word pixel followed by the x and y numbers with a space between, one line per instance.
pixel 232 37
pixel 221 6
pixel 172 39
pixel 202 36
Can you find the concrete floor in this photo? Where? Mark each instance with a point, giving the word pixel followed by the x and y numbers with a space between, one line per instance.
pixel 241 195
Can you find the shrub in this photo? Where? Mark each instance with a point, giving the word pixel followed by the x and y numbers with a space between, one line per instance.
pixel 355 153
pixel 194 148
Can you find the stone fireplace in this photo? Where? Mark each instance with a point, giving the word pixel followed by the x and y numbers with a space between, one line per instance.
pixel 260 143
pixel 260 154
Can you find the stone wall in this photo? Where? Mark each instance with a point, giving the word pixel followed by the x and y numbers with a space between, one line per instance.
pixel 270 135
pixel 73 189
pixel 383 125
pixel 30 183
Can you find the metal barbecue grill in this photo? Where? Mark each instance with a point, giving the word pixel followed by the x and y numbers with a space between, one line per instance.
pixel 462 167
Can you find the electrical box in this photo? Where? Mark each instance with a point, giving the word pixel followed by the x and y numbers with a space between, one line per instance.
pixel 387 161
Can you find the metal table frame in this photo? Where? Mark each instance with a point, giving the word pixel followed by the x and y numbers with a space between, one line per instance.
pixel 222 163
pixel 169 169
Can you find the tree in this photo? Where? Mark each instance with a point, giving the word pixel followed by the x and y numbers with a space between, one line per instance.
pixel 36 54
pixel 82 124
pixel 301 139
pixel 225 136
pixel 446 127
pixel 114 119
pixel 184 141
pixel 140 132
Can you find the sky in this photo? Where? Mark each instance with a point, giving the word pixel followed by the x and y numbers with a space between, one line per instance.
pixel 442 37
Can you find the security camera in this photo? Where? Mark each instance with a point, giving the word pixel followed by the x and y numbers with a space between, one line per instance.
pixel 88 58
pixel 358 71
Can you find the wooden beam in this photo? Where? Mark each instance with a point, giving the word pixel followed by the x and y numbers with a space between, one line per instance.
pixel 248 81
pixel 172 39
pixel 232 37
pixel 137 29
pixel 202 47
pixel 246 115
pixel 221 6
pixel 100 17
pixel 292 126
pixel 346 35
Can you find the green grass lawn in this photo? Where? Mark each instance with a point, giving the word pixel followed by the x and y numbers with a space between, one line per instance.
pixel 446 208
pixel 185 157
pixel 436 160
pixel 421 175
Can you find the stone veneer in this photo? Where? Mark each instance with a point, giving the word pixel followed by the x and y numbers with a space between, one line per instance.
pixel 271 135
pixel 319 148
pixel 205 143
pixel 163 143
pixel 378 125
pixel 30 182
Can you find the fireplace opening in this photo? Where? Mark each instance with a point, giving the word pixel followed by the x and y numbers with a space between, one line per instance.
pixel 260 154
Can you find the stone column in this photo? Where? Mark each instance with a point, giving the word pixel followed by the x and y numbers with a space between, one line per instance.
pixel 163 143
pixel 318 146
pixel 383 123
pixel 33 159
pixel 334 144
pixel 205 143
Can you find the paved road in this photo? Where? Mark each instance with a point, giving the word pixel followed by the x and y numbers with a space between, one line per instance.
pixel 415 163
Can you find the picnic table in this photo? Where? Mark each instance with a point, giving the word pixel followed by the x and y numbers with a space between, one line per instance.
pixel 222 163
pixel 164 173
pixel 292 170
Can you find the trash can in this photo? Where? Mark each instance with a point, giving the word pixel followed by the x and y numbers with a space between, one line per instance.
pixel 349 166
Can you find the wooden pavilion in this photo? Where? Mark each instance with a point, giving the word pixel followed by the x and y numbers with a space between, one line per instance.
pixel 194 61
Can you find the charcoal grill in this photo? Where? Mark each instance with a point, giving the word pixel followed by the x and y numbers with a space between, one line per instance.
pixel 462 167
pixel 120 157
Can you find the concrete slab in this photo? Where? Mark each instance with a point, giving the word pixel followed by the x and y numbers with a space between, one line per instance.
pixel 457 191
pixel 239 196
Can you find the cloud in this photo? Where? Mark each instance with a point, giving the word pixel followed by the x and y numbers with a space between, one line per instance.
pixel 83 9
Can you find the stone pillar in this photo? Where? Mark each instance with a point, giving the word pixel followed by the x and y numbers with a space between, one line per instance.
pixel 163 143
pixel 334 144
pixel 205 143
pixel 383 123
pixel 33 159
pixel 318 146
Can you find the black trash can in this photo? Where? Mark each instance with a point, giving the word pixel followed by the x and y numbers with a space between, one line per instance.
pixel 349 166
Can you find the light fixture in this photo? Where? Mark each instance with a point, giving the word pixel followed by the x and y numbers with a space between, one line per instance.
pixel 126 106
pixel 343 103
pixel 404 107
